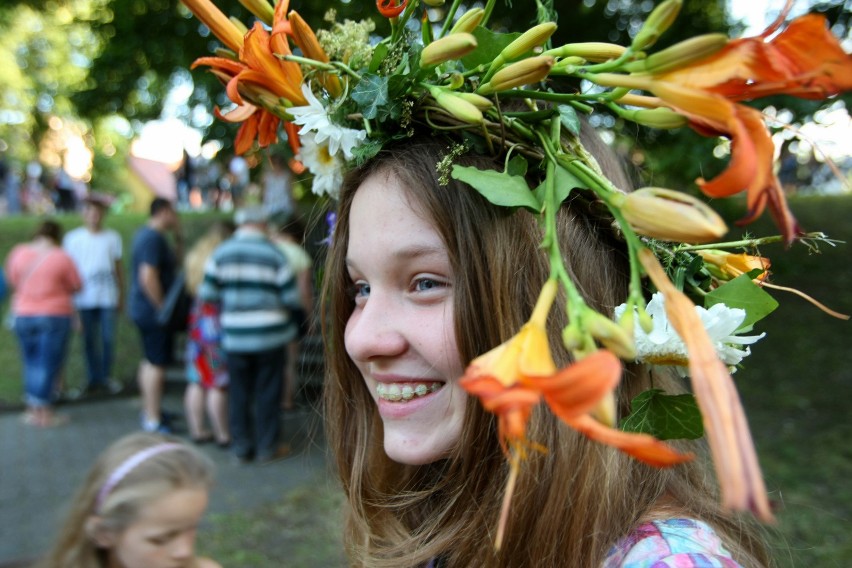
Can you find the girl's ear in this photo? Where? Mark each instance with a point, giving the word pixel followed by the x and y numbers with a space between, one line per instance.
pixel 98 533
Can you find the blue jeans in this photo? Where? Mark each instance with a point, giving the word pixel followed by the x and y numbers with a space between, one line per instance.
pixel 44 341
pixel 99 342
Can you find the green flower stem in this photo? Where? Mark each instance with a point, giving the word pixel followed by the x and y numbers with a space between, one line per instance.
pixel 542 96
pixel 333 66
pixel 613 65
pixel 399 25
pixel 448 21
pixel 575 304
pixel 489 6
pixel 609 194
pixel 747 243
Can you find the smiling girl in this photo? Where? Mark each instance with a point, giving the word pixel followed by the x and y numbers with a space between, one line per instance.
pixel 422 277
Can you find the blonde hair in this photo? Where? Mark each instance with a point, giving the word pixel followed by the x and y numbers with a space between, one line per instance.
pixel 573 502
pixel 161 473
pixel 197 256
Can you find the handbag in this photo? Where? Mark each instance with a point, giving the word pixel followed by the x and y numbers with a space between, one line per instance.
pixel 174 313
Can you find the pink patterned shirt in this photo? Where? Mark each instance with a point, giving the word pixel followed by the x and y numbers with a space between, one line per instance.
pixel 672 543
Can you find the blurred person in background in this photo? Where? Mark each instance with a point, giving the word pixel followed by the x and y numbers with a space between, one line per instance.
pixel 288 235
pixel 154 268
pixel 277 184
pixel 97 253
pixel 44 279
pixel 206 366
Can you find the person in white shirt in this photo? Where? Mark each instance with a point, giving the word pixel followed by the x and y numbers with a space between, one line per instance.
pixel 97 253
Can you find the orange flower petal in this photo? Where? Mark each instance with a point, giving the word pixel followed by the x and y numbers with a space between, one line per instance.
pixel 578 388
pixel 724 419
pixel 643 447
pixel 246 135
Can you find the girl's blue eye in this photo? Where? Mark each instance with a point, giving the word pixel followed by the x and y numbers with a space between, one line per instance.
pixel 426 284
pixel 360 290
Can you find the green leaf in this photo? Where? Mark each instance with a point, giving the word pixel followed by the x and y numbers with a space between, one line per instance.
pixel 517 166
pixel 570 120
pixel 664 416
pixel 379 54
pixel 498 187
pixel 366 151
pixel 742 293
pixel 565 182
pixel 488 46
pixel 370 93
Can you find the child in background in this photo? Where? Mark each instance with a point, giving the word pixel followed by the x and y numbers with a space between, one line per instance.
pixel 138 508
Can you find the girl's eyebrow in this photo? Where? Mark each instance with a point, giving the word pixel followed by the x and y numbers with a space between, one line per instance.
pixel 409 252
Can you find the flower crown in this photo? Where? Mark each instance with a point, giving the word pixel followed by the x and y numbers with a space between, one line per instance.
pixel 340 95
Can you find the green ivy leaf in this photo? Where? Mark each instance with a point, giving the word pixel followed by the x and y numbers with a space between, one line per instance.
pixel 366 151
pixel 666 417
pixel 517 166
pixel 499 188
pixel 370 94
pixel 569 119
pixel 565 182
pixel 742 293
pixel 488 46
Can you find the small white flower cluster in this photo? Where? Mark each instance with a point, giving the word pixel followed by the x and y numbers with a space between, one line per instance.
pixel 663 346
pixel 325 146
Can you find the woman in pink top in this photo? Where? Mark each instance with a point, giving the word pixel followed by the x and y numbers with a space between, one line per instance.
pixel 44 280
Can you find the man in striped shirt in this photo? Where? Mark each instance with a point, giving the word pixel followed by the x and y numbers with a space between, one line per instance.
pixel 250 279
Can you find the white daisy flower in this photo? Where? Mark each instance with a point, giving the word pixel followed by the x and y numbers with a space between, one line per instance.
pixel 326 166
pixel 663 346
pixel 315 118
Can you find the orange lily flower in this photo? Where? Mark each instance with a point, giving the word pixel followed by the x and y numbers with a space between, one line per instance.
pixel 804 60
pixel 515 376
pixel 730 265
pixel 260 76
pixel 724 419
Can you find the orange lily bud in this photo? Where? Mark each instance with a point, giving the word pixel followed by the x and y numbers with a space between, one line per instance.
pixel 456 106
pixel 218 23
pixel 476 100
pixel 468 21
pixel 530 70
pixel 529 40
pixel 307 41
pixel 679 55
pixel 671 216
pixel 241 27
pixel 447 48
pixel 727 266
pixel 594 51
pixel 659 20
pixel 612 335
pixel 662 118
pixel 260 8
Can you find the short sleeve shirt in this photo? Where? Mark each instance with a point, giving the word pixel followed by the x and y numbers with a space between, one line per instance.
pixel 152 248
pixel 95 255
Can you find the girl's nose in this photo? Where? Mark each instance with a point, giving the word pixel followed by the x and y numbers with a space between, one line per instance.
pixel 184 546
pixel 375 330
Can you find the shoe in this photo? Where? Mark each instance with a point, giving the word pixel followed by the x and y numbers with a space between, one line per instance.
pixel 224 445
pixel 155 427
pixel 280 453
pixel 114 387
pixel 55 420
pixel 201 440
pixel 241 460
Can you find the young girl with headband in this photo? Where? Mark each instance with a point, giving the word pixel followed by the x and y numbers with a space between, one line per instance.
pixel 138 508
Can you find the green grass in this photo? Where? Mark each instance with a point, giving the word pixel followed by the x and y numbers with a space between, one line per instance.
pixel 795 388
pixel 14 230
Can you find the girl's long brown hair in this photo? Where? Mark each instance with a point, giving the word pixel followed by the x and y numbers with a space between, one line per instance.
pixel 571 503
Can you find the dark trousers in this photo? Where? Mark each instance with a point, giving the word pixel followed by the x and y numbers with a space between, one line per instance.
pixel 254 398
pixel 99 341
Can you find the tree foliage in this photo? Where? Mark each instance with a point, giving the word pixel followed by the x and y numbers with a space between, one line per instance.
pixel 99 58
